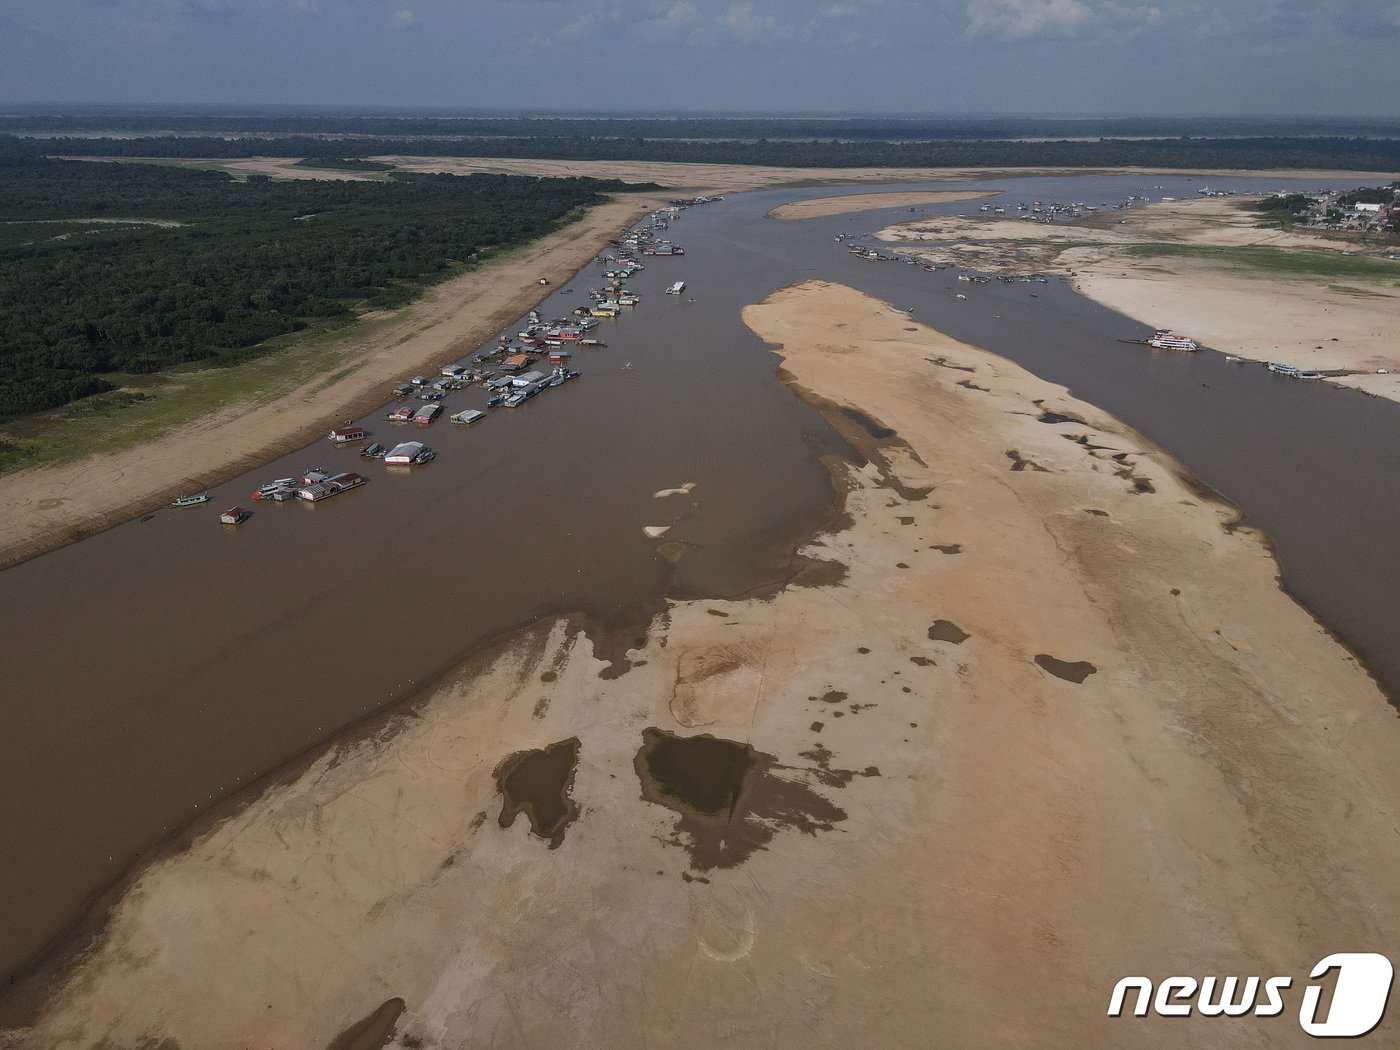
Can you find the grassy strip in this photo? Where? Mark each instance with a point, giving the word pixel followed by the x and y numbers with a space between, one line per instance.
pixel 1264 260
pixel 127 417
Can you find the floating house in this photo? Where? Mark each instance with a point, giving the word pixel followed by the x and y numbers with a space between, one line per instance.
pixel 345 435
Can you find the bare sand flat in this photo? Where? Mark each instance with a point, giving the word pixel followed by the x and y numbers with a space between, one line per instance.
pixel 1031 720
pixel 732 178
pixel 821 206
pixel 1311 321
pixel 49 506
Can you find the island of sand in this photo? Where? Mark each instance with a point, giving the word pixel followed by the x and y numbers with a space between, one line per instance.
pixel 1031 716
pixel 1205 268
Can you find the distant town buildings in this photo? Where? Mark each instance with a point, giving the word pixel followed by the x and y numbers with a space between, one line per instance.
pixel 1345 211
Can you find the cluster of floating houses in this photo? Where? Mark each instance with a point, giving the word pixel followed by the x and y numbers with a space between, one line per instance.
pixel 507 372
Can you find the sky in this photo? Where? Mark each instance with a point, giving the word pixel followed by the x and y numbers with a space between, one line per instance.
pixel 1043 57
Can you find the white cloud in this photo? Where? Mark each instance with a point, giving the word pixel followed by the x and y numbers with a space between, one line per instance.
pixel 1022 19
pixel 746 24
pixel 403 18
pixel 1016 19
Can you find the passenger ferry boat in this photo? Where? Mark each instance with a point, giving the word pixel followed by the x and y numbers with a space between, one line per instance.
pixel 1166 339
pixel 190 501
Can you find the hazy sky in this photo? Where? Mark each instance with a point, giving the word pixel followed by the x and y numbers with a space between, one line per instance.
pixel 931 56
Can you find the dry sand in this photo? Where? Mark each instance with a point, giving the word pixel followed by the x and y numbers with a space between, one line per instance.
pixel 1263 315
pixel 817 207
pixel 49 506
pixel 732 178
pixel 952 844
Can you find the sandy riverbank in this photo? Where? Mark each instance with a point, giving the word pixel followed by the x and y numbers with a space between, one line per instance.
pixel 732 178
pixel 49 506
pixel 1316 320
pixel 1037 720
pixel 817 207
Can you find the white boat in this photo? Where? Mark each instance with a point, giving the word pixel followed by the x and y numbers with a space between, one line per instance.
pixel 190 501
pixel 1166 339
pixel 676 288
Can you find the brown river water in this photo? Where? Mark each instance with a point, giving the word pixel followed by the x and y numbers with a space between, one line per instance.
pixel 158 668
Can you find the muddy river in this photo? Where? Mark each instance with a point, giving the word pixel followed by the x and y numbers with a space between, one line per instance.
pixel 154 670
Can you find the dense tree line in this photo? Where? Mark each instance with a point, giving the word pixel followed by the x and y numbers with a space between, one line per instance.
pixel 866 129
pixel 1369 195
pixel 1246 153
pixel 81 300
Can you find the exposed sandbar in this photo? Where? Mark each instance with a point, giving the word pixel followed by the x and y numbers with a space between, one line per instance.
pixel 1187 266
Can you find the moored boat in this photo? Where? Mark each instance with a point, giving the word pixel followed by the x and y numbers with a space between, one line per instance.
pixel 190 501
pixel 1166 339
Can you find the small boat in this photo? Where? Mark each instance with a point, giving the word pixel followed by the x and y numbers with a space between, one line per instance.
pixel 496 401
pixel 467 416
pixel 190 501
pixel 960 296
pixel 374 451
pixel 233 516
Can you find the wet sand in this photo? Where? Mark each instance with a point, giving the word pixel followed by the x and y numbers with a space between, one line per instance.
pixel 966 841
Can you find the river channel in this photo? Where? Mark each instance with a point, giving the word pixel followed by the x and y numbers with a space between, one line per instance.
pixel 155 669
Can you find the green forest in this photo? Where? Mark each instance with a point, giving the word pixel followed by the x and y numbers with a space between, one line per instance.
pixel 221 122
pixel 1354 154
pixel 108 269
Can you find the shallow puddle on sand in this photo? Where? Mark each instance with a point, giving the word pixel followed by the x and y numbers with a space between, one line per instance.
pixel 372 1032
pixel 731 798
pixel 1070 670
pixel 947 631
pixel 537 783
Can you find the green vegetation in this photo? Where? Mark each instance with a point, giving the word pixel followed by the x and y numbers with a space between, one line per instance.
pixel 1280 210
pixel 343 164
pixel 1357 154
pixel 109 120
pixel 182 395
pixel 1369 195
pixel 1263 260
pixel 86 302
